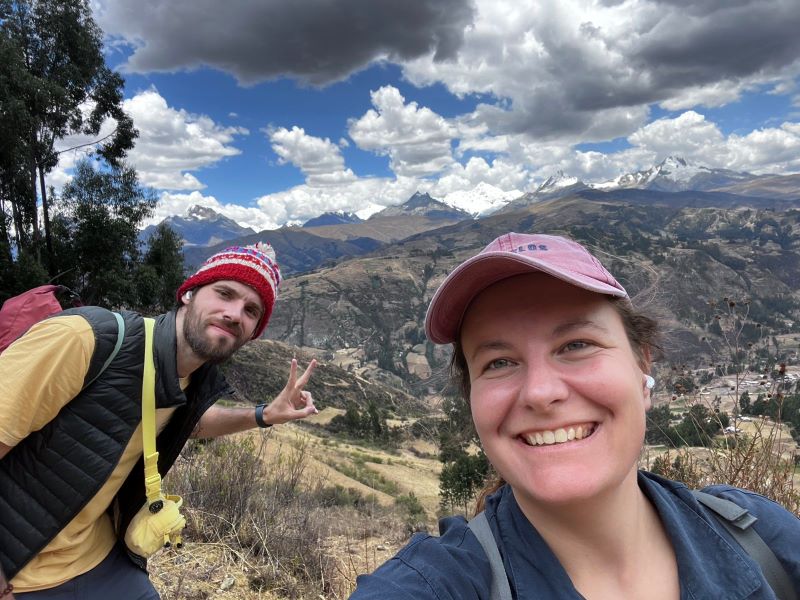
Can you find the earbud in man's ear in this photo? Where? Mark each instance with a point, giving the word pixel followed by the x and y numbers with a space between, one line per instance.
pixel 649 382
pixel 187 296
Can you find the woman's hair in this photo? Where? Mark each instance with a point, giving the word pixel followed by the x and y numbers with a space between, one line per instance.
pixel 644 335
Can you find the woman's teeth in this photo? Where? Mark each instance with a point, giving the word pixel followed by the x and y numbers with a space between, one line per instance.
pixel 558 436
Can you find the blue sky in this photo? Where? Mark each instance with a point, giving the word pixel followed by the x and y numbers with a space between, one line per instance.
pixel 322 112
pixel 274 112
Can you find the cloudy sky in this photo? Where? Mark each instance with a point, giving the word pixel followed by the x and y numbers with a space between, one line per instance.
pixel 275 111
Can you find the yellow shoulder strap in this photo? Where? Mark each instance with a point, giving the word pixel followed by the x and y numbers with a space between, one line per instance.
pixel 152 479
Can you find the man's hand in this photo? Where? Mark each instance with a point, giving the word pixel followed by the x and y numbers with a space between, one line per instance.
pixel 293 402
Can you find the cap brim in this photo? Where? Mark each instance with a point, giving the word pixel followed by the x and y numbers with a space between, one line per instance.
pixel 470 278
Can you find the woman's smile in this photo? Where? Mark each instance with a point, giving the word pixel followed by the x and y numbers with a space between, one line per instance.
pixel 561 435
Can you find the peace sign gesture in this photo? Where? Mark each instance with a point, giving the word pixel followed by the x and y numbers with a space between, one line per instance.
pixel 293 402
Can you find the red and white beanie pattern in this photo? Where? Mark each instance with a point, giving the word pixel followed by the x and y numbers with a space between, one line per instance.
pixel 251 265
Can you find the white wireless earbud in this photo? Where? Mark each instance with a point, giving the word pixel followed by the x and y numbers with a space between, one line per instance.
pixel 649 382
pixel 187 296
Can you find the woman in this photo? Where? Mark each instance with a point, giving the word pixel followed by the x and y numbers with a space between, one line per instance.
pixel 555 363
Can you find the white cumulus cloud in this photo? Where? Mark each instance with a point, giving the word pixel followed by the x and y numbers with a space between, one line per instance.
pixel 416 139
pixel 319 159
pixel 173 143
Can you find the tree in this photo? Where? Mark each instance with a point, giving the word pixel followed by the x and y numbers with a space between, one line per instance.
pixel 370 424
pixel 744 402
pixel 161 273
pixel 698 427
pixel 463 470
pixel 461 479
pixel 658 425
pixel 100 211
pixel 55 83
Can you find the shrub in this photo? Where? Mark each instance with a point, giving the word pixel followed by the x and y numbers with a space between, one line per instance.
pixel 414 513
pixel 268 518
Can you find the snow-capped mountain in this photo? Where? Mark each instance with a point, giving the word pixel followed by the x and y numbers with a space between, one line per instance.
pixel 558 182
pixel 422 205
pixel 202 226
pixel 482 200
pixel 676 174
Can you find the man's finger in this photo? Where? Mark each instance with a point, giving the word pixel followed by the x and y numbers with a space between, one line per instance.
pixel 301 400
pixel 292 374
pixel 307 373
pixel 304 412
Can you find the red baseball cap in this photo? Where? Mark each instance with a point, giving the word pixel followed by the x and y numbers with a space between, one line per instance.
pixel 509 255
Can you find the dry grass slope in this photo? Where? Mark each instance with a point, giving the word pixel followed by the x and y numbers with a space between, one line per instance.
pixel 279 514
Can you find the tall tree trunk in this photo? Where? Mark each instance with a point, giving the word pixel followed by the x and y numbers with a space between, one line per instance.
pixel 5 242
pixel 51 260
pixel 32 175
pixel 16 214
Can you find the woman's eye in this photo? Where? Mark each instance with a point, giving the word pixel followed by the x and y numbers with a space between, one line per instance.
pixel 499 363
pixel 576 345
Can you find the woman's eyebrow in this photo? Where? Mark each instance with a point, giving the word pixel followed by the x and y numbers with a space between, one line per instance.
pixel 570 326
pixel 489 345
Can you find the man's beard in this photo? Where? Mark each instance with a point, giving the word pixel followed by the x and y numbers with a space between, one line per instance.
pixel 203 345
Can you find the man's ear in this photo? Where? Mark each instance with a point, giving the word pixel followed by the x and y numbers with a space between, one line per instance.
pixel 187 296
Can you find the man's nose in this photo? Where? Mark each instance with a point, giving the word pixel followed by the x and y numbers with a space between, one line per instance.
pixel 234 310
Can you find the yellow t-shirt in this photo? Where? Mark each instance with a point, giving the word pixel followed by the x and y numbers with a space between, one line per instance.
pixel 43 371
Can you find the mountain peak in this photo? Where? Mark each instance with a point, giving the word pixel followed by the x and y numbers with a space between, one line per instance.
pixel 419 199
pixel 557 181
pixel 338 217
pixel 423 205
pixel 481 200
pixel 674 174
pixel 675 161
pixel 198 212
pixel 202 226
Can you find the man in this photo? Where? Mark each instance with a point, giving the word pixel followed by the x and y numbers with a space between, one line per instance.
pixel 71 475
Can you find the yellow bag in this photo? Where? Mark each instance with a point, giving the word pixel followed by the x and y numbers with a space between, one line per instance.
pixel 149 532
pixel 159 522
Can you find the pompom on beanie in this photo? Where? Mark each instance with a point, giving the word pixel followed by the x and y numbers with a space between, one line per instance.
pixel 254 266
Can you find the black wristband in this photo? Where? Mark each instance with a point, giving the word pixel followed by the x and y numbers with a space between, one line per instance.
pixel 260 416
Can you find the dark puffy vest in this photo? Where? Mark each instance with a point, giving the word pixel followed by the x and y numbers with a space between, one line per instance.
pixel 49 477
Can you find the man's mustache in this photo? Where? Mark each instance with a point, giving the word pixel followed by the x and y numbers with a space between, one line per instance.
pixel 228 326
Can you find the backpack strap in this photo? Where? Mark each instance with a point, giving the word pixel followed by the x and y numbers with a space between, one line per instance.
pixel 117 346
pixel 500 589
pixel 738 522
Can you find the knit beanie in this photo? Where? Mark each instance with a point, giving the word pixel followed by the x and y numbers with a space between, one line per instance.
pixel 254 266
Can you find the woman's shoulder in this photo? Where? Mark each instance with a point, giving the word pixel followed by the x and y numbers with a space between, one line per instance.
pixel 778 527
pixel 452 565
pixel 759 506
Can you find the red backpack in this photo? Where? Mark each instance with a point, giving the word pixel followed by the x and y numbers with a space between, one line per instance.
pixel 20 312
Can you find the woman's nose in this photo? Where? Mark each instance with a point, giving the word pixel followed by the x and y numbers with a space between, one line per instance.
pixel 543 387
